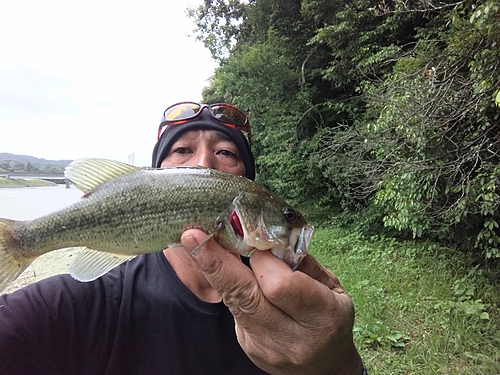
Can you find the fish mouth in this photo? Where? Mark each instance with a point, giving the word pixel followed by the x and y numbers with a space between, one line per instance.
pixel 303 237
pixel 297 247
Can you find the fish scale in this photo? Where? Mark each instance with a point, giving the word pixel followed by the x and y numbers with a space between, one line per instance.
pixel 126 211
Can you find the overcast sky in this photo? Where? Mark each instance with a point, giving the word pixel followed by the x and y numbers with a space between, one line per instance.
pixel 92 78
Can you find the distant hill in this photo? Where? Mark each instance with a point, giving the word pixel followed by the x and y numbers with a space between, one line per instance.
pixel 4 156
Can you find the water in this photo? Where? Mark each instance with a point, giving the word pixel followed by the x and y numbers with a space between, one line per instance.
pixel 31 202
pixel 28 203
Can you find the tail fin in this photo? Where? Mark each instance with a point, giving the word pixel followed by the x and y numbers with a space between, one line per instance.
pixel 10 266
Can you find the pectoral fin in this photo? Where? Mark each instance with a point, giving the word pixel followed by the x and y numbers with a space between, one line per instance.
pixel 92 264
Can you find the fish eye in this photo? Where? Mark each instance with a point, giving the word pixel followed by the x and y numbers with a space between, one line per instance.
pixel 290 214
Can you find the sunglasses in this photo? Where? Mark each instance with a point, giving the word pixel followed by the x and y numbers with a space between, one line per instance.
pixel 226 114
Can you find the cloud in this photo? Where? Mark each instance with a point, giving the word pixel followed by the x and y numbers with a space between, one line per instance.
pixel 104 102
pixel 26 92
pixel 92 79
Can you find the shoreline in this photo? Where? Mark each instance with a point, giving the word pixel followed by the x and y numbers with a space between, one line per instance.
pixel 20 183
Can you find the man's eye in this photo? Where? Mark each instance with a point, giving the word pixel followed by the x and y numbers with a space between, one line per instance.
pixel 227 153
pixel 181 150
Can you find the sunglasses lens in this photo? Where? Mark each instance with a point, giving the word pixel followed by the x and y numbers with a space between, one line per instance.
pixel 229 115
pixel 182 111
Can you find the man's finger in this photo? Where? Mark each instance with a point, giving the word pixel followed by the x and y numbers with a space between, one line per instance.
pixel 281 286
pixel 311 267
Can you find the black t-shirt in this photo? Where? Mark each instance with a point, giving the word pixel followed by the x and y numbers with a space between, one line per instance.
pixel 137 319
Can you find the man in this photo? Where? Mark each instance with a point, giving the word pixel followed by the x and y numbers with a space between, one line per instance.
pixel 176 313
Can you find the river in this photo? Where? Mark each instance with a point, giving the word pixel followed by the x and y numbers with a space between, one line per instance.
pixel 31 202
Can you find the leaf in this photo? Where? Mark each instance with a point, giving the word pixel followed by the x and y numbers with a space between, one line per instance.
pixel 484 315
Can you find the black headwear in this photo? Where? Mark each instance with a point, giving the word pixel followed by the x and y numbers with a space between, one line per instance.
pixel 204 121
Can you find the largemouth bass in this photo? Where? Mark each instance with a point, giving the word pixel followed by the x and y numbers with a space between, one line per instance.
pixel 126 211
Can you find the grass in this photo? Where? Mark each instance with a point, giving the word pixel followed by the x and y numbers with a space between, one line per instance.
pixel 420 308
pixel 19 182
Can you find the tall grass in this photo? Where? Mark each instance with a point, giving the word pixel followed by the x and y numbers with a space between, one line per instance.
pixel 420 308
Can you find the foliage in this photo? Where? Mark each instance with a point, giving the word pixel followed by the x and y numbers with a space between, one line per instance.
pixel 383 115
pixel 433 148
pixel 384 112
pixel 18 166
pixel 218 24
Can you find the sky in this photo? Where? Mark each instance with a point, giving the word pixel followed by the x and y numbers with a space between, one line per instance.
pixel 92 78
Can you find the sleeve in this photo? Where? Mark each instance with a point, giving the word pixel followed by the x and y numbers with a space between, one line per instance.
pixel 47 327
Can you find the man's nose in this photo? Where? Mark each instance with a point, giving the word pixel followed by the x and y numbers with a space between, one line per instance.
pixel 205 159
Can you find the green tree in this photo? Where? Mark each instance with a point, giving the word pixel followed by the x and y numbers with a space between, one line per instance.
pixel 433 148
pixel 385 110
pixel 218 25
pixel 17 166
pixel 4 165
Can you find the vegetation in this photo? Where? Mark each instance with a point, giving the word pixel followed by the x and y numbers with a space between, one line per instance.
pixel 17 182
pixel 385 113
pixel 420 308
pixel 382 117
pixel 18 166
pixel 23 163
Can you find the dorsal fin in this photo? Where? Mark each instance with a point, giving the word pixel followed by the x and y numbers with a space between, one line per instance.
pixel 86 174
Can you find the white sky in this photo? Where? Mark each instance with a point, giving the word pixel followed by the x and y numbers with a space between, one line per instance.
pixel 92 78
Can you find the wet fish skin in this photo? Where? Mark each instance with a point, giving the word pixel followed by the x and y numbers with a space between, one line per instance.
pixel 128 211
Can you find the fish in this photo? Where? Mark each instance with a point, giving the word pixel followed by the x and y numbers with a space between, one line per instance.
pixel 126 211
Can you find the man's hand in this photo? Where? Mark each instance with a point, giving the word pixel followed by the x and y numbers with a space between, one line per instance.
pixel 288 322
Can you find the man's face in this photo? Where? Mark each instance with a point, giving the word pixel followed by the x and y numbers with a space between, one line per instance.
pixel 206 148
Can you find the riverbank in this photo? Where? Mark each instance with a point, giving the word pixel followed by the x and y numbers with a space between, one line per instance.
pixel 20 182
